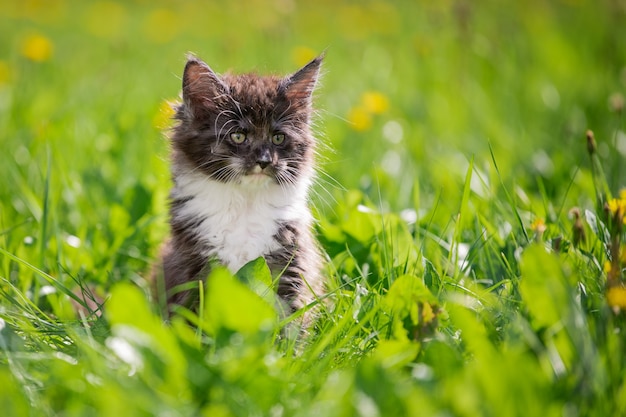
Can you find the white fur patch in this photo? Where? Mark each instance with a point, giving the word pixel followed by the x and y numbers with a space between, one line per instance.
pixel 241 219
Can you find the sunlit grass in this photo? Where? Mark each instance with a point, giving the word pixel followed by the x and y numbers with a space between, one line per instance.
pixel 473 226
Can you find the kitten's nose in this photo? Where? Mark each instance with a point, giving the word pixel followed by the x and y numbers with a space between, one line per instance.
pixel 264 158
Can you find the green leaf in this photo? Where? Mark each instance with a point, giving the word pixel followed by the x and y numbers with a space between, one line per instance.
pixel 13 402
pixel 543 287
pixel 119 219
pixel 396 353
pixel 9 340
pixel 128 306
pixel 139 199
pixel 412 307
pixel 404 291
pixel 257 276
pixel 233 306
pixel 360 225
pixel 550 302
pixel 140 335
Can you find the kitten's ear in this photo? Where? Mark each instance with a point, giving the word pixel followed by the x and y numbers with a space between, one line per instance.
pixel 299 86
pixel 202 88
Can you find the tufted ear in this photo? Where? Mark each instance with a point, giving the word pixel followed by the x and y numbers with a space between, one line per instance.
pixel 202 88
pixel 299 86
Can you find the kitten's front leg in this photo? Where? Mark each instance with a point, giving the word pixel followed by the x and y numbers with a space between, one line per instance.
pixel 177 269
pixel 297 265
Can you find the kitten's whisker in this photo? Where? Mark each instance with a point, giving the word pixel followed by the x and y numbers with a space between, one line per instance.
pixel 207 164
pixel 228 131
pixel 228 122
pixel 238 105
pixel 287 177
pixel 227 173
pixel 324 197
pixel 329 179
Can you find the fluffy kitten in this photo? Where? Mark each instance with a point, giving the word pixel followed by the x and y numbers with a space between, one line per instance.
pixel 242 163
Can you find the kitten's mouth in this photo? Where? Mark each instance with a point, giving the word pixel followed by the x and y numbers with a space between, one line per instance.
pixel 258 171
pixel 257 176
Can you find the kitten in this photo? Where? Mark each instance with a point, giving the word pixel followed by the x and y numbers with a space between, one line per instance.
pixel 242 161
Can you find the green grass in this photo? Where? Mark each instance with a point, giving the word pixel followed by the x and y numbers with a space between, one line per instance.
pixel 476 251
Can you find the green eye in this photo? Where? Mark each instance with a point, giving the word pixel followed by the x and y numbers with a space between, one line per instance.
pixel 238 137
pixel 278 139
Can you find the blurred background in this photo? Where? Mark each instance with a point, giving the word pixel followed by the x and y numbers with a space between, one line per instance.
pixel 412 92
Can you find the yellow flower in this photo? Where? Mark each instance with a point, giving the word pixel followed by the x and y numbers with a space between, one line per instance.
pixel 538 225
pixel 622 197
pixel 163 117
pixel 302 55
pixel 616 297
pixel 614 205
pixel 372 102
pixel 375 102
pixel 617 206
pixel 607 267
pixel 37 47
pixel 360 119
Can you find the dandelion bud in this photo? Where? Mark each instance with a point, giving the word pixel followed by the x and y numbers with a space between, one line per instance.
pixel 578 229
pixel 591 143
pixel 539 227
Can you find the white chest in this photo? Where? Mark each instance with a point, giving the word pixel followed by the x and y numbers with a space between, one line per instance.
pixel 239 223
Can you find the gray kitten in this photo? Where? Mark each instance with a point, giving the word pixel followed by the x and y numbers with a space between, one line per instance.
pixel 242 160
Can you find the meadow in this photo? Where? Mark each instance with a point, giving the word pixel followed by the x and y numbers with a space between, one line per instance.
pixel 471 202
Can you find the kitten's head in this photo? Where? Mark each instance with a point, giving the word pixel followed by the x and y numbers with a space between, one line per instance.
pixel 246 129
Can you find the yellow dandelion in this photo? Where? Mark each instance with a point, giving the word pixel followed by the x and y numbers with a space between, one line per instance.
pixel 163 117
pixel 538 225
pixel 617 207
pixel 302 55
pixel 375 102
pixel 622 199
pixel 616 297
pixel 607 267
pixel 37 47
pixel 360 119
pixel 427 313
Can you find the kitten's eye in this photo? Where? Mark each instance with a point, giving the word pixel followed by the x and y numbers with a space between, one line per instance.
pixel 278 139
pixel 238 137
